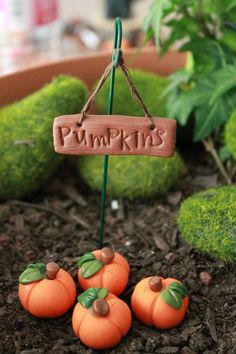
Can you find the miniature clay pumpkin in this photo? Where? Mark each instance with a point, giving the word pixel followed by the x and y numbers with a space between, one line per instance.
pixel 100 319
pixel 46 290
pixel 103 268
pixel 160 302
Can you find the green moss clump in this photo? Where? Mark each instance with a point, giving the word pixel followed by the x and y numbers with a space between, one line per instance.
pixel 150 86
pixel 230 134
pixel 132 176
pixel 207 221
pixel 24 167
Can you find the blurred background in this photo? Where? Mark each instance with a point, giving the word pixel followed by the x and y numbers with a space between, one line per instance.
pixel 33 31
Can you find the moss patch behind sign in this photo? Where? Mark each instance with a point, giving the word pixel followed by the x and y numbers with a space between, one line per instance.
pixel 150 87
pixel 132 176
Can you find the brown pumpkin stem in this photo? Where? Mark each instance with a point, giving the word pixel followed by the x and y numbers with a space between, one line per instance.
pixel 155 283
pixel 52 269
pixel 107 255
pixel 100 307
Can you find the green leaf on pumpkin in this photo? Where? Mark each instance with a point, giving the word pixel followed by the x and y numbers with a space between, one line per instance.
pixel 90 268
pixel 87 298
pixel 175 286
pixel 32 273
pixel 173 294
pixel 102 293
pixel 89 265
pixel 86 257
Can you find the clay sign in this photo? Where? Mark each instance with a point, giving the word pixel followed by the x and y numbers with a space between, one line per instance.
pixel 114 135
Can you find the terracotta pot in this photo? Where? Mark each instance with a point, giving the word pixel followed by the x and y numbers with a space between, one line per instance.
pixel 88 67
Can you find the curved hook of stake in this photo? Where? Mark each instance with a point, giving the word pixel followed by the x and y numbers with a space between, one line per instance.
pixel 117 42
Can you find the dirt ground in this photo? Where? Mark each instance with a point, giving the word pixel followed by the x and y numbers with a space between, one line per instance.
pixel 60 224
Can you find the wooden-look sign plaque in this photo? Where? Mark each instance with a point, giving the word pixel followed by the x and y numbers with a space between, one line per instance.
pixel 114 135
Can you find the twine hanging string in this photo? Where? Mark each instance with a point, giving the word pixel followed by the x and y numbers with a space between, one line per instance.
pixel 91 99
pixel 134 92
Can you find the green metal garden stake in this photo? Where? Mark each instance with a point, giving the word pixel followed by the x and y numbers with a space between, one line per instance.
pixel 115 59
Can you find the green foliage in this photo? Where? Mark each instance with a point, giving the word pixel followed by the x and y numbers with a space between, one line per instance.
pixel 153 19
pixel 210 99
pixel 24 167
pixel 150 87
pixel 207 90
pixel 230 135
pixel 132 176
pixel 207 221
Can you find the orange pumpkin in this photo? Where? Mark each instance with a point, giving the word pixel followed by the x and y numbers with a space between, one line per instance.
pixel 46 290
pixel 159 302
pixel 100 319
pixel 103 268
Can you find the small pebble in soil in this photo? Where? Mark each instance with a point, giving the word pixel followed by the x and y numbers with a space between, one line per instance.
pixel 171 257
pixel 114 205
pixel 146 253
pixel 205 278
pixel 161 244
pixel 174 198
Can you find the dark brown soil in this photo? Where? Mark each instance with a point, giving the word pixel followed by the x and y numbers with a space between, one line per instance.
pixel 60 224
